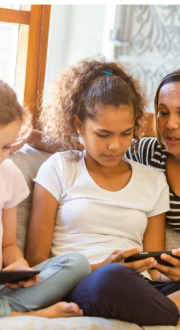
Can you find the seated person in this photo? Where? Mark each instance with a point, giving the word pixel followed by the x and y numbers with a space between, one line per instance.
pixel 37 296
pixel 99 203
pixel 163 152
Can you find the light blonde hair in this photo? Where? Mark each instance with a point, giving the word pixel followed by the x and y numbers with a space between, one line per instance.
pixel 11 110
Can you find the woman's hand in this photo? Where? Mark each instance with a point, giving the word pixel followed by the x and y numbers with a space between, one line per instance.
pixel 21 284
pixel 173 273
pixel 119 256
pixel 19 144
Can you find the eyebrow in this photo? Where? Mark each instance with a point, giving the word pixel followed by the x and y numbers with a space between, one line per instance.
pixel 166 106
pixel 105 131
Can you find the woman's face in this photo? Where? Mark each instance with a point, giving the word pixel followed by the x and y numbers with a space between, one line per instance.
pixel 109 135
pixel 168 117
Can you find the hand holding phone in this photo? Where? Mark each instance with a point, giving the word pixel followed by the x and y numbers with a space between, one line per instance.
pixel 155 254
pixel 14 276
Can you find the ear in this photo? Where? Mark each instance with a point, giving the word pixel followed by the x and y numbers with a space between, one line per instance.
pixel 78 124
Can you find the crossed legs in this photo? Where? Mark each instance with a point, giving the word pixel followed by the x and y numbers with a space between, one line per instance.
pixel 58 276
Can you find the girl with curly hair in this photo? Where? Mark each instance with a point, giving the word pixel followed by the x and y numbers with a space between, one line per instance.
pixel 91 199
pixel 64 271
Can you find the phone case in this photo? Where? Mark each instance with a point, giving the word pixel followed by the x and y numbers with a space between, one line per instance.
pixel 156 255
pixel 14 276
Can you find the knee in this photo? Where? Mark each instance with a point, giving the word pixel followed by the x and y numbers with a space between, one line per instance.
pixel 79 264
pixel 114 278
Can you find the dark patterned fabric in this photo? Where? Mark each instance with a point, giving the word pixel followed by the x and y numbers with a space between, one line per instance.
pixel 150 153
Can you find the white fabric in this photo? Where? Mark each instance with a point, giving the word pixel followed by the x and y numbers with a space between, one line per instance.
pixel 95 221
pixel 13 189
pixel 73 323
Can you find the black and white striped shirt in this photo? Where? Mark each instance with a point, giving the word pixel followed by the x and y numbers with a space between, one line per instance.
pixel 152 154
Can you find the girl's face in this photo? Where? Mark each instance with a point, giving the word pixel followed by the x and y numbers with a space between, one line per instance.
pixel 109 135
pixel 8 134
pixel 168 117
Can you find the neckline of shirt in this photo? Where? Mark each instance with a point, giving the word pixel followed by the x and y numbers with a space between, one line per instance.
pixel 104 190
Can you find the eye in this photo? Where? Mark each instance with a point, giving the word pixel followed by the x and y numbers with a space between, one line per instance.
pixel 103 136
pixel 162 113
pixel 6 147
pixel 126 134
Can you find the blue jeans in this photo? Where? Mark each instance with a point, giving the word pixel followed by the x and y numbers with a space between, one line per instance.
pixel 58 277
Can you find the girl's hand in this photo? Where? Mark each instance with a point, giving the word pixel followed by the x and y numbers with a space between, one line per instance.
pixel 21 284
pixel 173 273
pixel 119 256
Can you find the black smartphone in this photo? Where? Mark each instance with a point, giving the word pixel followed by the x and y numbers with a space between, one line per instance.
pixel 14 276
pixel 156 255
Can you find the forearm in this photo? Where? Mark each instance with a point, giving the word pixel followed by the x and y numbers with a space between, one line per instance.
pixel 35 141
pixel 157 276
pixel 95 266
pixel 36 259
pixel 11 254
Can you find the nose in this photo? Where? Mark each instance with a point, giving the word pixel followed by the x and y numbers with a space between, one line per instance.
pixel 114 144
pixel 173 122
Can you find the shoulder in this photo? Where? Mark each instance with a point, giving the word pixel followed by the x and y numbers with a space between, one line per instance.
pixel 146 172
pixel 13 187
pixel 9 167
pixel 62 166
pixel 152 186
pixel 7 164
pixel 65 158
pixel 143 150
pixel 148 142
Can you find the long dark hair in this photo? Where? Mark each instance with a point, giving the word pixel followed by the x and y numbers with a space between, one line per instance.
pixel 172 77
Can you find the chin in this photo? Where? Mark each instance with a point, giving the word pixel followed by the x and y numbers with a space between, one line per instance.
pixel 172 149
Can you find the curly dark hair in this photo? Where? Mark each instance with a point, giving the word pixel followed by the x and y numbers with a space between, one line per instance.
pixel 78 89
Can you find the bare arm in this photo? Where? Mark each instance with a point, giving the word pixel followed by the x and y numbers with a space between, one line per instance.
pixel 41 226
pixel 35 141
pixel 154 238
pixel 10 250
pixel 12 255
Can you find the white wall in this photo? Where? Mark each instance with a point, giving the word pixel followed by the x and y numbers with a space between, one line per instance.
pixel 76 32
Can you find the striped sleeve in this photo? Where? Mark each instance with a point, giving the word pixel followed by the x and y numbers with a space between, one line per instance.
pixel 143 152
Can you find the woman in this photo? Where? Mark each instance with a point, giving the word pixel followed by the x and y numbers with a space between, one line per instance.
pixel 163 152
pixel 89 201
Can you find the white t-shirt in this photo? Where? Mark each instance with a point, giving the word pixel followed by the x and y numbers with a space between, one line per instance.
pixel 13 189
pixel 95 221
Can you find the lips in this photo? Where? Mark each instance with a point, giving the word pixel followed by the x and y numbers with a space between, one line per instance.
pixel 112 156
pixel 173 138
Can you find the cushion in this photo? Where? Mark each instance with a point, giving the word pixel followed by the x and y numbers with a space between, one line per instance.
pixel 28 160
pixel 73 323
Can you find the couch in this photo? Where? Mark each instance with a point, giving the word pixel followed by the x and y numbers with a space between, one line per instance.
pixel 29 160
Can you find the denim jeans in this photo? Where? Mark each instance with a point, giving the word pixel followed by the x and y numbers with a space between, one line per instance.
pixel 58 276
pixel 120 292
